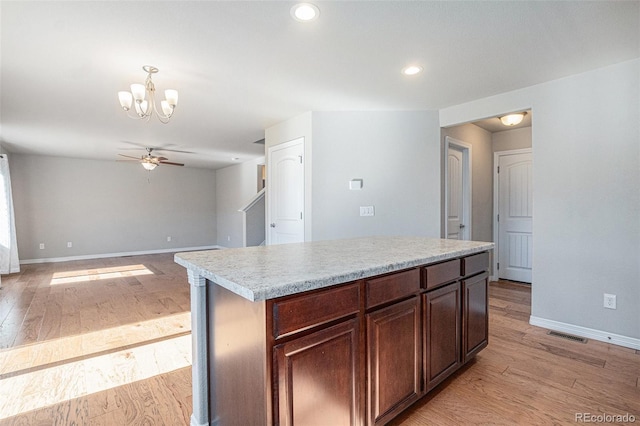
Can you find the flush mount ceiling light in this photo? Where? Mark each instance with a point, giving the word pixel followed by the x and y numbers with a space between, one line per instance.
pixel 142 96
pixel 305 12
pixel 512 119
pixel 412 70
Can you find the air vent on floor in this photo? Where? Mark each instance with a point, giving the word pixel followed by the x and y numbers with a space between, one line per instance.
pixel 567 336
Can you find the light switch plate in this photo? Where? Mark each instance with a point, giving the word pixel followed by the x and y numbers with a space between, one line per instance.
pixel 355 184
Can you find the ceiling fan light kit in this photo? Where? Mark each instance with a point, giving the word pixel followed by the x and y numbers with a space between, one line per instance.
pixel 149 165
pixel 150 162
pixel 142 98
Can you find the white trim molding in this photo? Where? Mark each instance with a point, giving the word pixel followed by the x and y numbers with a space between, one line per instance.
pixel 122 254
pixel 603 336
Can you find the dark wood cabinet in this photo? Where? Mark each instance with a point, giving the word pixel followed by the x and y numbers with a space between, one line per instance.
pixel 442 319
pixel 475 316
pixel 317 377
pixel 357 353
pixel 393 359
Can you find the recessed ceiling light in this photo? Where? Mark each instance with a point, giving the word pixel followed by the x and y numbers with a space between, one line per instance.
pixel 305 12
pixel 412 70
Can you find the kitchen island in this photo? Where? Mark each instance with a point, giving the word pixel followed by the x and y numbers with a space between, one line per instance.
pixel 331 332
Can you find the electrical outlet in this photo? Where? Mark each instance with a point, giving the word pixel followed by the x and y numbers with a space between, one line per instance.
pixel 69 244
pixel 367 211
pixel 610 301
pixel 168 239
pixel 41 246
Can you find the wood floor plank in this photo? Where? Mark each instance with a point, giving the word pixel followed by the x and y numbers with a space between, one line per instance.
pixel 103 350
pixel 525 376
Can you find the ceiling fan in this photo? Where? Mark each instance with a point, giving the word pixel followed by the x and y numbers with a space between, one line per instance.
pixel 149 161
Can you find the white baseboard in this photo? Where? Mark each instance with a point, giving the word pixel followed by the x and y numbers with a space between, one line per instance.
pixel 106 255
pixel 590 333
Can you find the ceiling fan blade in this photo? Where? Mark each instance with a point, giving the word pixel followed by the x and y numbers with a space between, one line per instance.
pixel 129 156
pixel 161 158
pixel 127 161
pixel 174 150
pixel 138 145
pixel 171 164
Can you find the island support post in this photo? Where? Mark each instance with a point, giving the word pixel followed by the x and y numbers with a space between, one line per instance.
pixel 200 369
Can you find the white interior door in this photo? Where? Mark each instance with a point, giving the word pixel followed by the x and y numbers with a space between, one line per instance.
pixel 286 193
pixel 458 190
pixel 515 216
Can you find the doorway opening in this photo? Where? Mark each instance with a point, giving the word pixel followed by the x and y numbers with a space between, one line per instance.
pixel 487 137
pixel 513 218
pixel 458 177
pixel 285 193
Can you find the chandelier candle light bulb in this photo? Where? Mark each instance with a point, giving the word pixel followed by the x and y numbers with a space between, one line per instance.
pixel 144 97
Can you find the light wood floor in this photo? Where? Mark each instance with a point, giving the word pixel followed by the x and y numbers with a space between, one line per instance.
pixel 107 342
pixel 100 342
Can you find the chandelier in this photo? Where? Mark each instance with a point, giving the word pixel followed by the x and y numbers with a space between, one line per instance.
pixel 142 97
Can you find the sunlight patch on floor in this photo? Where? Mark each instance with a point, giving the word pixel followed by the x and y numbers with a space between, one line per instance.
pixel 41 388
pixel 82 275
pixel 68 348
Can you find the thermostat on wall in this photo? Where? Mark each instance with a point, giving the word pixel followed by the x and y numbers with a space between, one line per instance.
pixel 355 184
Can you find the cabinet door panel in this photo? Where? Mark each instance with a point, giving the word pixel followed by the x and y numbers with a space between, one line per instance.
pixel 475 315
pixel 393 336
pixel 442 323
pixel 318 378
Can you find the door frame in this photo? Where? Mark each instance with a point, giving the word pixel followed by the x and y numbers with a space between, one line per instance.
pixel 300 140
pixel 496 204
pixel 467 179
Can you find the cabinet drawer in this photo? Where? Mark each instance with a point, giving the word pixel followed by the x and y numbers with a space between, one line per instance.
pixel 475 263
pixel 303 312
pixel 441 273
pixel 392 287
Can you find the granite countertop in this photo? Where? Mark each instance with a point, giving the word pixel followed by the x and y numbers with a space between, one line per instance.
pixel 267 272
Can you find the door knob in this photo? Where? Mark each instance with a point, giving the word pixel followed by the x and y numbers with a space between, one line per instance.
pixel 461 226
pixel 273 225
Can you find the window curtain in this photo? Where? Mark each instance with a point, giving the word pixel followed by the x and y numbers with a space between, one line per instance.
pixel 9 262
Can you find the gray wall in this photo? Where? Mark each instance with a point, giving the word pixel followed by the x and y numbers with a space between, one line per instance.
pixel 255 224
pixel 235 186
pixel 586 178
pixel 512 139
pixel 397 154
pixel 109 207
pixel 481 175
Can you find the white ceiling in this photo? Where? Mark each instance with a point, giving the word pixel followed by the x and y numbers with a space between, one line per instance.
pixel 241 67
